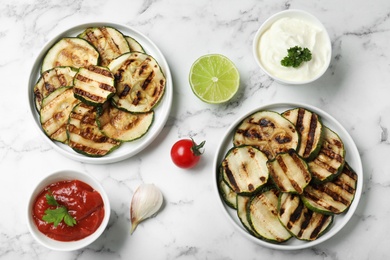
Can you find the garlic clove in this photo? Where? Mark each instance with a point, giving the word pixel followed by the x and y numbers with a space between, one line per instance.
pixel 146 201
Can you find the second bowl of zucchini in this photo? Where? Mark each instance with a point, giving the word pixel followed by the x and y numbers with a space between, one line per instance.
pixel 283 178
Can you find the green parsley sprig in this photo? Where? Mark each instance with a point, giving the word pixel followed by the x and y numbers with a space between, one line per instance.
pixel 55 216
pixel 296 55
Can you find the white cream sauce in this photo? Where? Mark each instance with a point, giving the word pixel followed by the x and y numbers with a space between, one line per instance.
pixel 288 32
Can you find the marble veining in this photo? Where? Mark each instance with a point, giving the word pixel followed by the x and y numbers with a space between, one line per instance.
pixel 191 225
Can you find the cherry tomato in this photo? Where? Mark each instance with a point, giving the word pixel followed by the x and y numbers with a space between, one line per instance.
pixel 186 153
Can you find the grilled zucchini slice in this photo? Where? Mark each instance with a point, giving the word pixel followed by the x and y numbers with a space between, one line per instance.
pixel 309 126
pixel 122 125
pixel 140 82
pixel 55 111
pixel 226 193
pixel 51 80
pixel 109 42
pixel 244 169
pixel 84 135
pixel 289 172
pixel 330 160
pixel 94 85
pixel 134 45
pixel 263 217
pixel 269 131
pixel 302 222
pixel 70 51
pixel 242 213
pixel 333 197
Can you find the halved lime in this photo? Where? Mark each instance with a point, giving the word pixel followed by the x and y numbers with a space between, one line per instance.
pixel 214 78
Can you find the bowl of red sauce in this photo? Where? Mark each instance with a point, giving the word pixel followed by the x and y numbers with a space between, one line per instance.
pixel 68 210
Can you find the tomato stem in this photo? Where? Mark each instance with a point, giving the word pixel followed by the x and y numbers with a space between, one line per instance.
pixel 196 148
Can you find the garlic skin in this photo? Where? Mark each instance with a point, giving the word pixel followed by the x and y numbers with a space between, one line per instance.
pixel 146 201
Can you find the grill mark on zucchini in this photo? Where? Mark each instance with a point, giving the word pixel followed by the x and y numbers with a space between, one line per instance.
pixel 332 155
pixel 345 186
pixel 90 36
pixel 105 73
pixel 317 230
pixel 100 70
pixel 294 217
pixel 307 216
pixel 229 175
pixel 311 135
pixel 83 78
pixel 90 96
pixel 306 219
pixel 230 197
pixel 107 87
pixel 137 99
pixel 324 165
pixel 125 91
pixel 282 139
pixel 147 82
pixel 312 127
pixel 299 124
pixel 49 87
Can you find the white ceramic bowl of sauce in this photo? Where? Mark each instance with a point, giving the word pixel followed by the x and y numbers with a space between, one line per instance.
pixel 288 29
pixel 68 176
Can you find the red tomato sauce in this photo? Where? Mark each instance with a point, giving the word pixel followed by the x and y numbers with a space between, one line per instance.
pixel 84 204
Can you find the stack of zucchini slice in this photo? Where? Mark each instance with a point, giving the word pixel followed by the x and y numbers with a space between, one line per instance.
pixel 97 90
pixel 286 175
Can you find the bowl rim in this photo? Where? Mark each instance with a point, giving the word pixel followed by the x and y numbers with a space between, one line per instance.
pixel 59 175
pixel 268 22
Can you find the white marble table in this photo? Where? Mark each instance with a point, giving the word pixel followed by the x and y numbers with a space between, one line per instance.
pixel 355 90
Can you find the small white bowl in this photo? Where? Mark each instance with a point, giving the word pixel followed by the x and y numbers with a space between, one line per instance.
pixel 278 49
pixel 72 245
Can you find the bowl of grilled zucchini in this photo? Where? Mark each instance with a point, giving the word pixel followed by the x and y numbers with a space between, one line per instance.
pixel 100 92
pixel 288 175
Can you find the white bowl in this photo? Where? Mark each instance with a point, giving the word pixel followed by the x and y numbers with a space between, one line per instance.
pixel 352 157
pixel 269 62
pixel 60 245
pixel 128 149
